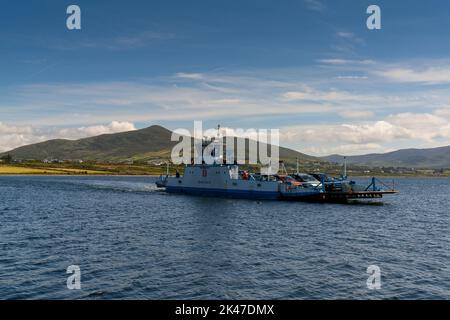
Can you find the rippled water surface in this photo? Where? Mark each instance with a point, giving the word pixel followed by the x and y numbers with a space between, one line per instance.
pixel 132 241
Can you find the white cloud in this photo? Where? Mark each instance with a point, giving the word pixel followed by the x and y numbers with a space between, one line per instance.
pixel 424 129
pixel 15 136
pixel 82 132
pixel 316 100
pixel 374 132
pixel 423 126
pixel 356 114
pixel 352 77
pixel 208 96
pixel 346 62
pixel 332 96
pixel 346 42
pixel 6 129
pixel 12 137
pixel 224 101
pixel 318 96
pixel 346 149
pixel 432 75
pixel 315 5
pixel 345 34
pixel 442 111
pixel 139 40
pixel 125 41
pixel 194 76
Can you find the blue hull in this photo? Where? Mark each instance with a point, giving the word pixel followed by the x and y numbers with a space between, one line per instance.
pixel 237 194
pixel 242 194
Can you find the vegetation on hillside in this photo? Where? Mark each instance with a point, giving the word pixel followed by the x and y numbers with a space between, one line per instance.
pixel 39 168
pixel 145 152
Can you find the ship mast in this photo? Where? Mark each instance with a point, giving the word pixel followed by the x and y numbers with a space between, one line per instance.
pixel 217 146
pixel 345 168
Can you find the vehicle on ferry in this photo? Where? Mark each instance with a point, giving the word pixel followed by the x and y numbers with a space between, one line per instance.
pixel 306 179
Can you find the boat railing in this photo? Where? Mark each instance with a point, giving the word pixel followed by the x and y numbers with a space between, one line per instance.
pixel 376 185
pixel 373 185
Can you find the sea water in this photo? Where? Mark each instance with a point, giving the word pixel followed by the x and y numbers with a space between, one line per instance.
pixel 132 241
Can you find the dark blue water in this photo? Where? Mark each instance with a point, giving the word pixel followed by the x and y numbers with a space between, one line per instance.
pixel 132 241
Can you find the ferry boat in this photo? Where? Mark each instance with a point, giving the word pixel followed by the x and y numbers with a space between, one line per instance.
pixel 228 181
pixel 219 180
pixel 224 180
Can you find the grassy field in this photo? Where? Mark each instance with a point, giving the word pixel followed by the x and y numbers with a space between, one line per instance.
pixel 10 169
pixel 81 169
pixel 20 170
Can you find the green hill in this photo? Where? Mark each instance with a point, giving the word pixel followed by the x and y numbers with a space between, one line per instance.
pixel 145 144
pixel 435 158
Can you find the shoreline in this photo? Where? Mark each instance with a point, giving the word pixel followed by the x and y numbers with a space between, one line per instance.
pixel 156 176
pixel 102 170
pixel 75 175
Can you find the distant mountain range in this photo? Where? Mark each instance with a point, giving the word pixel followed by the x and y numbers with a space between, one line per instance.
pixel 154 143
pixel 433 158
pixel 139 145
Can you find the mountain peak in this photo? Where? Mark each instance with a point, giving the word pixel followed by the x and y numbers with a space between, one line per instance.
pixel 153 142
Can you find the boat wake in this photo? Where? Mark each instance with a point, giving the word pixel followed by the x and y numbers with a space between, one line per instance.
pixel 122 186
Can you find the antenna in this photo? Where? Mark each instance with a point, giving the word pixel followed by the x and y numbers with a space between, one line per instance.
pixel 345 167
pixel 218 154
pixel 283 167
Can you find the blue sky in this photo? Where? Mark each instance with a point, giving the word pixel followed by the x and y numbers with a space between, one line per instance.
pixel 308 67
